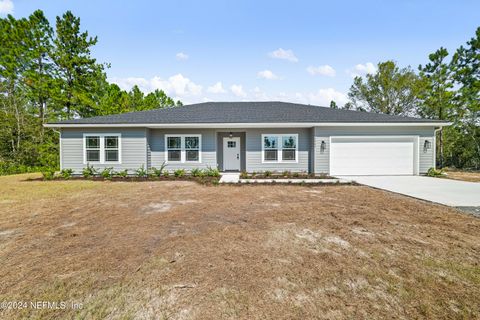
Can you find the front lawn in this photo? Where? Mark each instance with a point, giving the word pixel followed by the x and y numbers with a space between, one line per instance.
pixel 182 250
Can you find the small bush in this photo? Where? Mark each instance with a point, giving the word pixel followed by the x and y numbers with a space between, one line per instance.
pixel 432 172
pixel 107 173
pixel 243 175
pixel 286 173
pixel 122 174
pixel 66 173
pixel 212 172
pixel 158 172
pixel 254 174
pixel 89 171
pixel 197 172
pixel 48 174
pixel 179 173
pixel 166 174
pixel 267 173
pixel 141 172
pixel 296 174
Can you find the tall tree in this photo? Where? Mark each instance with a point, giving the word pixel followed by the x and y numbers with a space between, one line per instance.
pixel 437 92
pixel 40 69
pixel 390 90
pixel 80 76
pixel 466 73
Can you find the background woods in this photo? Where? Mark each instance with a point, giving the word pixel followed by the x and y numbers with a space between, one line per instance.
pixel 46 74
pixel 446 88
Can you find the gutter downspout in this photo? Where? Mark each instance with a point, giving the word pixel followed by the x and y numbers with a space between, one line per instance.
pixel 435 146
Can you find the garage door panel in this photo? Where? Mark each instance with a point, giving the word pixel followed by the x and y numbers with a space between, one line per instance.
pixel 372 156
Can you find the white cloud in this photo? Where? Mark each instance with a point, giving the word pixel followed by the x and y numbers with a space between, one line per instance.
pixel 181 56
pixel 267 74
pixel 177 85
pixel 216 88
pixel 322 97
pixel 6 7
pixel 362 69
pixel 324 70
pixel 237 90
pixel 284 54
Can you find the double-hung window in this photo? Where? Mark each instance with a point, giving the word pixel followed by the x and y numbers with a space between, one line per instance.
pixel 280 148
pixel 183 147
pixel 101 148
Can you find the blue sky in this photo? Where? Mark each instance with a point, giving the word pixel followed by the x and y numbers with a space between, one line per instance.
pixel 303 51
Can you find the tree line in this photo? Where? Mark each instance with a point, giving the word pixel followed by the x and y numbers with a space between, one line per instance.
pixel 447 88
pixel 47 73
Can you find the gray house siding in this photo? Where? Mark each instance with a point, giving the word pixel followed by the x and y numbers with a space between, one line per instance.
pixel 133 148
pixel 322 158
pixel 254 150
pixel 156 142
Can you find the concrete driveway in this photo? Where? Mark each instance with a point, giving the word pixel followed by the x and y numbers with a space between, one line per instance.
pixel 445 191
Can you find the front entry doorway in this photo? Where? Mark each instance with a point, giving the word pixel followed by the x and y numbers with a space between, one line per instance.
pixel 231 154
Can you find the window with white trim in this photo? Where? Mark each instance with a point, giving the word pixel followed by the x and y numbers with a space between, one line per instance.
pixel 183 148
pixel 280 148
pixel 101 148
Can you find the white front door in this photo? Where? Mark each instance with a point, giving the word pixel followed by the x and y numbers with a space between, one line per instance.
pixel 231 153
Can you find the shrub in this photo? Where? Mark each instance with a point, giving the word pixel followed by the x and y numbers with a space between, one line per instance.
pixel 212 172
pixel 141 172
pixel 179 173
pixel 286 173
pixel 166 174
pixel 254 174
pixel 158 172
pixel 107 173
pixel 48 174
pixel 196 172
pixel 89 171
pixel 296 174
pixel 122 174
pixel 243 175
pixel 267 173
pixel 66 173
pixel 432 172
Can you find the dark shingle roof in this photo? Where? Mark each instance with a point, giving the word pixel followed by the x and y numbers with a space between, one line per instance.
pixel 244 112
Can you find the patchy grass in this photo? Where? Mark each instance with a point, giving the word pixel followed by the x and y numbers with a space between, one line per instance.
pixel 471 176
pixel 181 250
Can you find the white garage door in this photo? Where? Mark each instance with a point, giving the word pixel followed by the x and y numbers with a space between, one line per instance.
pixel 372 156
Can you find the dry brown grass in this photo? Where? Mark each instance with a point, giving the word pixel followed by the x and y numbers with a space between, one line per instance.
pixel 471 176
pixel 180 250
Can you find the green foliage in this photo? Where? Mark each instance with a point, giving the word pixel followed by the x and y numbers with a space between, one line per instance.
pixel 432 172
pixel 166 174
pixel 7 168
pixel 66 173
pixel 179 173
pixel 48 73
pixel 390 90
pixel 286 173
pixel 141 172
pixel 89 171
pixel 267 173
pixel 48 174
pixel 212 172
pixel 243 175
pixel 122 174
pixel 107 173
pixel 196 172
pixel 158 172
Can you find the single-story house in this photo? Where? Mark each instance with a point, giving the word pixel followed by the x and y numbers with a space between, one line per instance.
pixel 252 136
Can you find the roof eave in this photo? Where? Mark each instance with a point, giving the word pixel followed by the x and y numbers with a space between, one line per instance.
pixel 249 125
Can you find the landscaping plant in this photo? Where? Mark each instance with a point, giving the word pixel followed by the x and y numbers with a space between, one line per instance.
pixel 89 171
pixel 212 172
pixel 196 172
pixel 107 173
pixel 432 172
pixel 48 174
pixel 179 173
pixel 66 173
pixel 122 174
pixel 141 172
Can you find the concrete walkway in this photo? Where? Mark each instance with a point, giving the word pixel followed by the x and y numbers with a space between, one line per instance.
pixel 444 191
pixel 229 177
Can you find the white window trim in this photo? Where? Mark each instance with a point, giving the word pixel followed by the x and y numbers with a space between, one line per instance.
pixel 280 147
pixel 102 147
pixel 183 156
